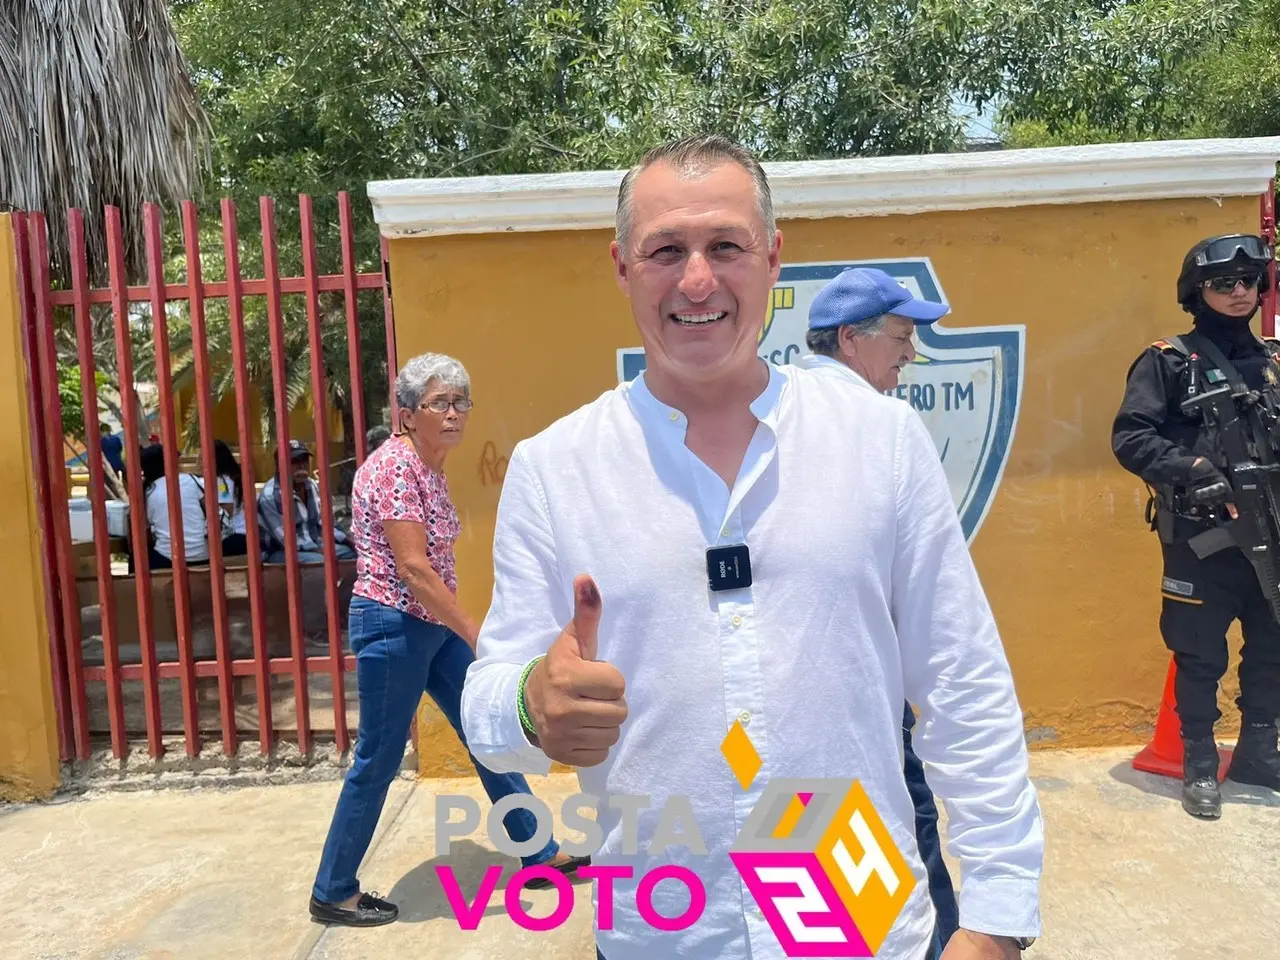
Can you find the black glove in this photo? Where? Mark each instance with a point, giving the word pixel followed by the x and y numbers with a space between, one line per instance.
pixel 1207 484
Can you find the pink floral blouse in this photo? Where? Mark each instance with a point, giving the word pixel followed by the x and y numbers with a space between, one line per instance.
pixel 394 484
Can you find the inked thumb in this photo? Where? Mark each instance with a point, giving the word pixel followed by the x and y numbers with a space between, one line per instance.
pixel 587 607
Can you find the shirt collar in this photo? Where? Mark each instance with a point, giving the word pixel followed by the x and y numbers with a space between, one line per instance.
pixel 650 410
pixel 816 361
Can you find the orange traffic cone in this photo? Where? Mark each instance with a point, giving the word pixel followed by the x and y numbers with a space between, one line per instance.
pixel 1163 755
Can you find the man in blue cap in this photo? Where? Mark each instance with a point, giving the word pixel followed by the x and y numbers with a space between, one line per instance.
pixel 861 327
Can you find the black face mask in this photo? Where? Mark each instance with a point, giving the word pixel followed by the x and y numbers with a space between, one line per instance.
pixel 1233 336
pixel 1220 325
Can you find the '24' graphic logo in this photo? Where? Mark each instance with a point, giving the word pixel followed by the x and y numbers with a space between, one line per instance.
pixel 819 862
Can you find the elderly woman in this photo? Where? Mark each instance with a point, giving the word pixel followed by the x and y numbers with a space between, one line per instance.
pixel 407 630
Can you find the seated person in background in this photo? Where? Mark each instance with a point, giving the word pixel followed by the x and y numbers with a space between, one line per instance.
pixel 231 499
pixel 306 514
pixel 155 492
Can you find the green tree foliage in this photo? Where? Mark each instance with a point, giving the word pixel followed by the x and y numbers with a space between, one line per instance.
pixel 1240 87
pixel 1083 71
pixel 70 385
pixel 309 94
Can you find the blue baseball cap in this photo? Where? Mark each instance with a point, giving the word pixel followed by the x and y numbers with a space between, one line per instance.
pixel 863 293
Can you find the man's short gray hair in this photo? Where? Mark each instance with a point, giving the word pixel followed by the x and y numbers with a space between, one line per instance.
pixel 825 341
pixel 417 375
pixel 693 157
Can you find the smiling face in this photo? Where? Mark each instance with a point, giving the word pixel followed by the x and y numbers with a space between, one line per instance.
pixel 881 356
pixel 699 270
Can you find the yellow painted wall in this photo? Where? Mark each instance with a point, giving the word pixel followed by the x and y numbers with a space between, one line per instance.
pixel 29 765
pixel 1072 572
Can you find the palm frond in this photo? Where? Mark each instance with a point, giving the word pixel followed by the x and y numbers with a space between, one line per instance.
pixel 191 427
pixel 183 366
pixel 266 424
pixel 298 384
pixel 224 385
pixel 96 108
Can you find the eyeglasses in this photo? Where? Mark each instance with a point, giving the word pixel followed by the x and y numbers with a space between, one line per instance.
pixel 1227 284
pixel 462 405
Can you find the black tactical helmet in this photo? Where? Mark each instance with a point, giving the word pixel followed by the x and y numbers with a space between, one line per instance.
pixel 1232 254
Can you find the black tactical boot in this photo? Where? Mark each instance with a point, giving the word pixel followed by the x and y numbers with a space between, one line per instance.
pixel 1255 759
pixel 1200 794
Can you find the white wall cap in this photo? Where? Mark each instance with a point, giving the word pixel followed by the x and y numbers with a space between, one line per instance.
pixel 875 186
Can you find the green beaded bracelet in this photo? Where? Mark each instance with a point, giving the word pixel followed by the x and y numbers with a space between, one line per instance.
pixel 525 720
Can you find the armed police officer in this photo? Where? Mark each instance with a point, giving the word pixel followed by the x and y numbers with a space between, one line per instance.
pixel 1196 420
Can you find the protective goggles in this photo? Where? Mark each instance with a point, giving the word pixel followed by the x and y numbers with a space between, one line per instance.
pixel 1226 249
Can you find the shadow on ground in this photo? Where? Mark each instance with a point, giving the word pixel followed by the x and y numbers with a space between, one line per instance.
pixel 1170 789
pixel 420 894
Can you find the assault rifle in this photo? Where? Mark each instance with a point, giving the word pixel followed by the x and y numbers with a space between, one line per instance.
pixel 1246 424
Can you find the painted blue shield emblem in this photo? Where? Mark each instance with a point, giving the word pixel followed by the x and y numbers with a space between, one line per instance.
pixel 966 383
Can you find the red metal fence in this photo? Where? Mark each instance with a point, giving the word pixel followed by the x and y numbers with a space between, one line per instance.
pixel 1267 229
pixel 127 683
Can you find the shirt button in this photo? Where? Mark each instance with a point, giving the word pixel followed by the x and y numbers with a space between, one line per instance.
pixel 724 532
pixel 737 621
pixel 744 717
pixel 674 415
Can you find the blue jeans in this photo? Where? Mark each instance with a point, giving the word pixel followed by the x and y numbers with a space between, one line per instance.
pixel 940 889
pixel 398 657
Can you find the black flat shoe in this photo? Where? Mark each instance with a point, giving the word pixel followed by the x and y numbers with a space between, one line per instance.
pixel 369 911
pixel 568 868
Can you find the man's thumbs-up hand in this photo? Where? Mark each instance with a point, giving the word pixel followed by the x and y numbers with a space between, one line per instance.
pixel 576 702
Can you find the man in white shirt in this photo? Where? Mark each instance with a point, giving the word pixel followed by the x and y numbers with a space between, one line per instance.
pixel 695 555
pixel 862 330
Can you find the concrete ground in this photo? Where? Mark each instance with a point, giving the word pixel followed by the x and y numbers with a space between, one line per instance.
pixel 226 873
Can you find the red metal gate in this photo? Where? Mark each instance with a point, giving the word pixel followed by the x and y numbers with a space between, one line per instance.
pixel 74 681
pixel 1267 229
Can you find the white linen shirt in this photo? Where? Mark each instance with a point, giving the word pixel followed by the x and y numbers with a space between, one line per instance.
pixel 864 595
pixel 830 367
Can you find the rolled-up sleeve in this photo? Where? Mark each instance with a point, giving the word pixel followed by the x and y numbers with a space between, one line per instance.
pixel 524 619
pixel 970 734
